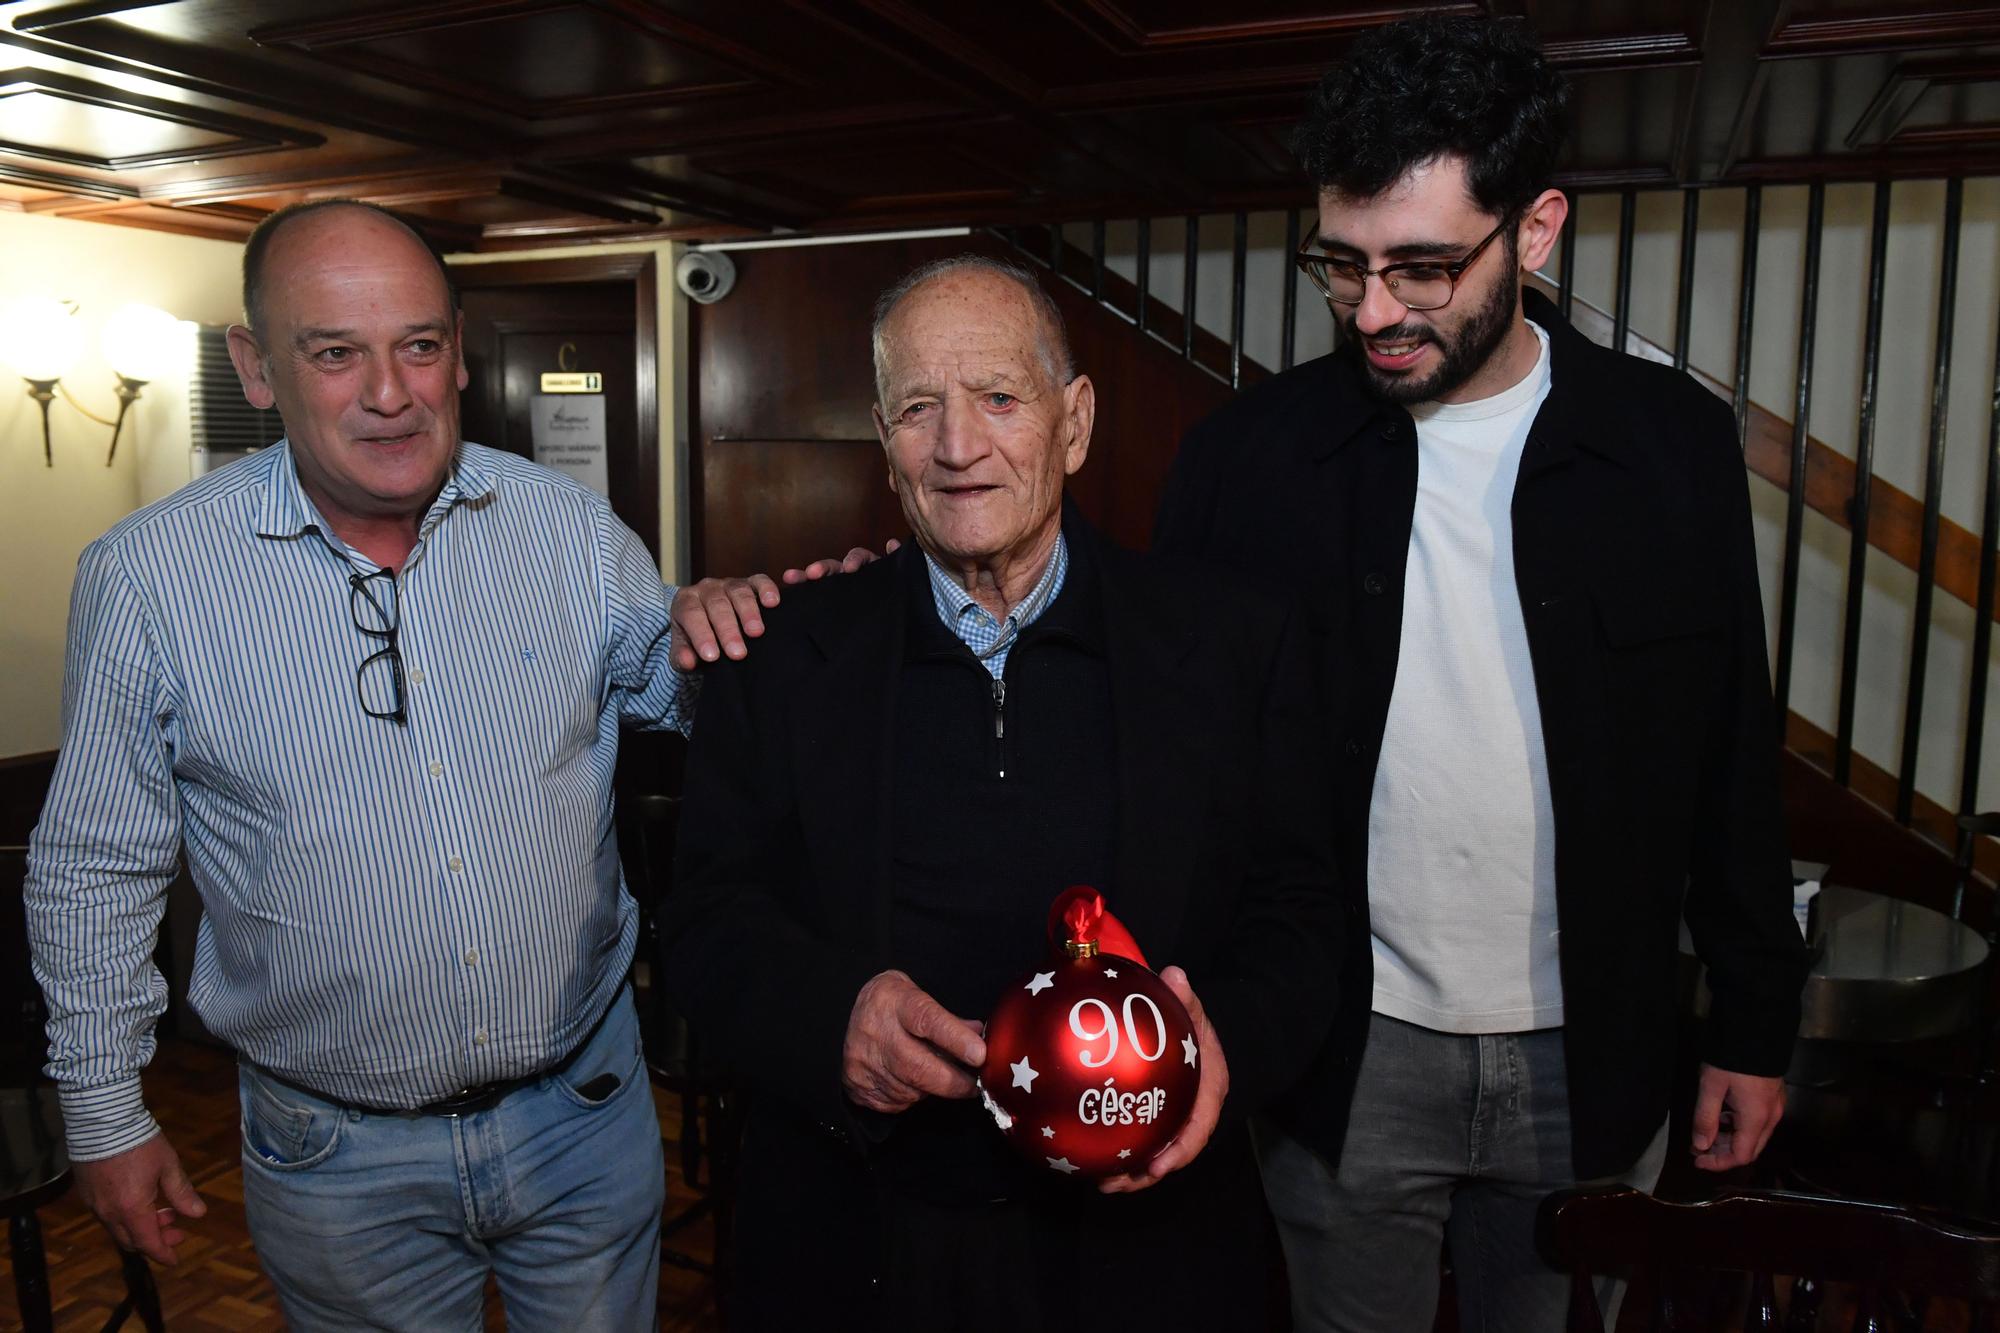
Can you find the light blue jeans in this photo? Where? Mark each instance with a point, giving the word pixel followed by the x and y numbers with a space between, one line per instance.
pixel 1455 1137
pixel 393 1222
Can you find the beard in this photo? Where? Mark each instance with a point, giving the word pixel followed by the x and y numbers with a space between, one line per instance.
pixel 1461 351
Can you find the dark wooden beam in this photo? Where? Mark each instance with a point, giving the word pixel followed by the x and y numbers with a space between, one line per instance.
pixel 1728 88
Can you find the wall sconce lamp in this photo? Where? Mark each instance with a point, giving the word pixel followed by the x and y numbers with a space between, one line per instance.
pixel 42 337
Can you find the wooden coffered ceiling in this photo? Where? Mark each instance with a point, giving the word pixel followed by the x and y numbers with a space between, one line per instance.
pixel 523 122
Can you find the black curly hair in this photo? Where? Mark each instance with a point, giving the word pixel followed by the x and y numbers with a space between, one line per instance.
pixel 1428 87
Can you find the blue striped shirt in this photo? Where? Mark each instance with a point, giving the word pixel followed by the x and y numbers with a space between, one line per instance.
pixel 974 624
pixel 392 912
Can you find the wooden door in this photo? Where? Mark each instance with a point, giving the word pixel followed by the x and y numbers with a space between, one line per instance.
pixel 582 315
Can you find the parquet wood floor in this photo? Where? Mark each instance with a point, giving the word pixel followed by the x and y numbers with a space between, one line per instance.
pixel 218 1284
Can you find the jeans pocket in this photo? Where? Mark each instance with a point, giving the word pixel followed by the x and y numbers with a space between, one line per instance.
pixel 280 1134
pixel 598 1076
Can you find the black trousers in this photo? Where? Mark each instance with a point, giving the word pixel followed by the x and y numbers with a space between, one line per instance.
pixel 1192 1254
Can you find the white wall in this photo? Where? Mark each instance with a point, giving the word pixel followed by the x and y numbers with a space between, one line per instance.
pixel 47 515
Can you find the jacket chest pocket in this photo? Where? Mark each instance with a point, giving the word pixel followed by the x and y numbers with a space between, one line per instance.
pixel 1638 614
pixel 1664 649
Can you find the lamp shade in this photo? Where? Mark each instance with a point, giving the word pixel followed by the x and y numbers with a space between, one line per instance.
pixel 141 342
pixel 40 338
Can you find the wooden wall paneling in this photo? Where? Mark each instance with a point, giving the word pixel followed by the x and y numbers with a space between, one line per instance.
pixel 782 367
pixel 114 129
pixel 1727 88
pixel 1819 28
pixel 177 221
pixel 201 49
pixel 769 505
pixel 622 57
pixel 1122 27
pixel 1944 102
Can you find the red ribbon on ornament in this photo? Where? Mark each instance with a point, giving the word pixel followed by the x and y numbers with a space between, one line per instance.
pixel 1078 913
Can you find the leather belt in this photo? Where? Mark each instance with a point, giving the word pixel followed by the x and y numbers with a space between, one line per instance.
pixel 466 1101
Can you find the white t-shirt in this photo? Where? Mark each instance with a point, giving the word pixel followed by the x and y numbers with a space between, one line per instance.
pixel 1461 834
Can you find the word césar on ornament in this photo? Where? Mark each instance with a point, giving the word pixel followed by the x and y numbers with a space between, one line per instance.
pixel 1111 1107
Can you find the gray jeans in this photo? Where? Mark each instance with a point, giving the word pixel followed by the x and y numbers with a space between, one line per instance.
pixel 1451 1137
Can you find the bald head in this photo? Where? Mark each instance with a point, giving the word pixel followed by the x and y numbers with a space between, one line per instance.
pixel 1051 339
pixel 356 343
pixel 287 223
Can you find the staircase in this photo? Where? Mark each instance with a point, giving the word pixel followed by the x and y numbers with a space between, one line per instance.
pixel 1864 815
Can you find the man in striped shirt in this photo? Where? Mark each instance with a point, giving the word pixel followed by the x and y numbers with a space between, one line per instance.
pixel 372 679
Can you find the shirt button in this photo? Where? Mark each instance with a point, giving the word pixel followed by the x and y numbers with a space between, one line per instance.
pixel 416 675
pixel 479 1037
pixel 1373 584
pixel 472 957
pixel 456 865
pixel 437 769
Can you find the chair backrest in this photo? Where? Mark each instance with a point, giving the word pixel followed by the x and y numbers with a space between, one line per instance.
pixel 648 819
pixel 1877 1248
pixel 1971 828
pixel 23 1039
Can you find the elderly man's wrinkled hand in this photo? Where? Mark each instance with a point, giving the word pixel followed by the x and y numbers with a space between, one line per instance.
pixel 903 1046
pixel 847 564
pixel 1209 1095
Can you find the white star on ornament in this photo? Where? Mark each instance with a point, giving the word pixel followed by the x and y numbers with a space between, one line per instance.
pixel 1042 981
pixel 1062 1164
pixel 1110 971
pixel 1187 1048
pixel 1025 1074
pixel 1124 1152
pixel 1048 1132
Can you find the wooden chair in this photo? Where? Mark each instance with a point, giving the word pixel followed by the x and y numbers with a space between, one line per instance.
pixel 1886 1254
pixel 34 1163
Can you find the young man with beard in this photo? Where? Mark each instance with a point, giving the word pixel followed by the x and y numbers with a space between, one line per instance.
pixel 1531 565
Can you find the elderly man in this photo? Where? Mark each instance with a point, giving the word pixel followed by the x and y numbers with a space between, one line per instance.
pixel 1553 719
pixel 885 797
pixel 372 679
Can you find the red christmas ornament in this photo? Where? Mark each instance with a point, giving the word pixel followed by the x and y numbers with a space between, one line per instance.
pixel 1091 1063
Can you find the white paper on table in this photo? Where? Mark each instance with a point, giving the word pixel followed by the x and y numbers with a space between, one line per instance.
pixel 569 436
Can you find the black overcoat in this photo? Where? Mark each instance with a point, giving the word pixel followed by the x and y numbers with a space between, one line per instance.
pixel 1637 576
pixel 1223 863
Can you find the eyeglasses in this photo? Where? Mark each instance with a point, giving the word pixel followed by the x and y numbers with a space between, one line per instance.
pixel 371 619
pixel 1421 284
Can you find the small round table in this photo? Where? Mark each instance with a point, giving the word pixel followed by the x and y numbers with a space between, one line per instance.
pixel 1888 970
pixel 1881 1082
pixel 1883 970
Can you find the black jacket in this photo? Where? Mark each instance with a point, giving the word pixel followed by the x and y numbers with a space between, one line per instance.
pixel 1223 863
pixel 1637 576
